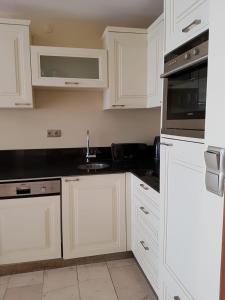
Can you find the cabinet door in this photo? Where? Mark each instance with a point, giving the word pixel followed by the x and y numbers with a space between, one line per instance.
pixel 127 70
pixel 93 215
pixel 15 73
pixel 68 67
pixel 190 222
pixel 155 62
pixel 184 20
pixel 30 229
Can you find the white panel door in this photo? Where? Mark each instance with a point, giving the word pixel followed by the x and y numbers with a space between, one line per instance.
pixel 155 62
pixel 15 72
pixel 127 53
pixel 30 229
pixel 184 20
pixel 215 104
pixel 93 215
pixel 190 222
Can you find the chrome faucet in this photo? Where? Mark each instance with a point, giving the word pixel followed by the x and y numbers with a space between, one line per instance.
pixel 88 155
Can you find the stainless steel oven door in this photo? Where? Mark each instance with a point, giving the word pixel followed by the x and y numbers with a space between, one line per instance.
pixel 184 102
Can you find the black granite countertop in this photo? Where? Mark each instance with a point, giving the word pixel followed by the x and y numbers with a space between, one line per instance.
pixel 45 163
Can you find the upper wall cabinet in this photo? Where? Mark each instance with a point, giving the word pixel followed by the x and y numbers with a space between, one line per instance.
pixel 184 20
pixel 15 72
pixel 155 62
pixel 68 67
pixel 127 68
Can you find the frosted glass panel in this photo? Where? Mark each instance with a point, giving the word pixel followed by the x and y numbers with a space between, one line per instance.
pixel 69 67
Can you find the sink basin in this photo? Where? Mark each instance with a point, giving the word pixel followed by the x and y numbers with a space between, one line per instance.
pixel 93 166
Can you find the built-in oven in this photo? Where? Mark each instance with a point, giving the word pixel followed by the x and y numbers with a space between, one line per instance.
pixel 185 86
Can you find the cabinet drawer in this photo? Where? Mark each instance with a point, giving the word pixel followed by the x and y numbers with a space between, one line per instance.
pixel 143 190
pixel 146 215
pixel 184 21
pixel 146 254
pixel 171 290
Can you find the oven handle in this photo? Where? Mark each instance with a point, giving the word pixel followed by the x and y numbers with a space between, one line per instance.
pixel 183 67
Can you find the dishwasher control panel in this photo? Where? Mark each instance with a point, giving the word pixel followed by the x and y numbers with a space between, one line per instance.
pixel 31 188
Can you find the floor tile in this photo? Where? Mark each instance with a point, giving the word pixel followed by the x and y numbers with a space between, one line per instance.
pixel 67 293
pixel 25 279
pixel 130 283
pixel 33 292
pixel 97 289
pixel 95 282
pixel 121 262
pixel 56 279
pixel 4 280
pixel 93 271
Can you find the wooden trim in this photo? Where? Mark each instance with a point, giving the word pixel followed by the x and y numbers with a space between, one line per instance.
pixel 222 272
pixel 59 263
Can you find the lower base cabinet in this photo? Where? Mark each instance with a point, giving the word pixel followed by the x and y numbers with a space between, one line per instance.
pixel 29 229
pixel 93 215
pixel 145 229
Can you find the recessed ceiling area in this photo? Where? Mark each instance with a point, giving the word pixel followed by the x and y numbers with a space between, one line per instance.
pixel 114 12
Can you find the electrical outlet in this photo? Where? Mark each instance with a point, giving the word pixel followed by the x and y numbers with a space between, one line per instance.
pixel 54 133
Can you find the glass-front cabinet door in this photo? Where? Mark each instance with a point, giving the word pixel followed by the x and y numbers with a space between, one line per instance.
pixel 69 67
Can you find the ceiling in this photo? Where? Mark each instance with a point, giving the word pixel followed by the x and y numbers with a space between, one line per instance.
pixel 114 12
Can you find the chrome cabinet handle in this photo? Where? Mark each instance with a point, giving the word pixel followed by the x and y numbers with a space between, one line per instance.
pixel 144 210
pixel 72 180
pixel 166 144
pixel 190 26
pixel 176 298
pixel 144 187
pixel 146 248
pixel 118 105
pixel 22 104
pixel 71 82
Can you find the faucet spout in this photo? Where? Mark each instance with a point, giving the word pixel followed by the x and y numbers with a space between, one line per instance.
pixel 88 155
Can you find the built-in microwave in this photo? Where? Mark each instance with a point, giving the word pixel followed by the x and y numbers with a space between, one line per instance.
pixel 185 86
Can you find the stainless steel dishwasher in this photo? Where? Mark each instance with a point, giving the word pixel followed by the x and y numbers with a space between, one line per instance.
pixel 30 220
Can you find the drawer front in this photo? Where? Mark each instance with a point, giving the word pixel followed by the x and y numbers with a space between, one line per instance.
pixel 146 254
pixel 184 21
pixel 146 215
pixel 142 189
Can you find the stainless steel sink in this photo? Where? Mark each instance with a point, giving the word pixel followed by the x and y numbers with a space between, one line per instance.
pixel 93 166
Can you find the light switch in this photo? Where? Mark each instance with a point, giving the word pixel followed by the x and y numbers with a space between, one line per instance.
pixel 212 182
pixel 212 159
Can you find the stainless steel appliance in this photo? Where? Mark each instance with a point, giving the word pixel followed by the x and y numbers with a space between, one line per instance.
pixel 30 188
pixel 185 73
pixel 215 165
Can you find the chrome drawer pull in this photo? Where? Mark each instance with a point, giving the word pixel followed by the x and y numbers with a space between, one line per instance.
pixel 166 144
pixel 22 104
pixel 144 187
pixel 71 82
pixel 190 26
pixel 146 248
pixel 72 180
pixel 177 298
pixel 144 211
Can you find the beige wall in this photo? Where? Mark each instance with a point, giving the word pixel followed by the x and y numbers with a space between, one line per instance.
pixel 73 111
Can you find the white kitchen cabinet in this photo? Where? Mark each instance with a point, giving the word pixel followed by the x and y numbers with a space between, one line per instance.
pixel 30 229
pixel 155 62
pixel 145 207
pixel 189 225
pixel 93 215
pixel 68 67
pixel 15 72
pixel 127 68
pixel 215 104
pixel 184 20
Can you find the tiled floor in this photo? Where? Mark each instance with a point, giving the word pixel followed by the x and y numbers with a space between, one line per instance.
pixel 120 279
